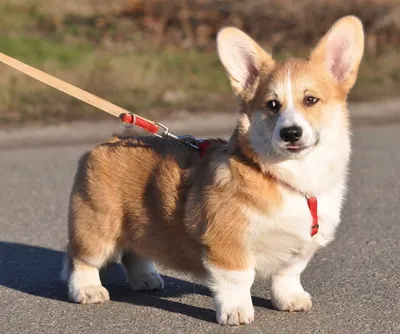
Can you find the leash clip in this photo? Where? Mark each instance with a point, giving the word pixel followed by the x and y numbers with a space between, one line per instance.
pixel 185 139
pixel 165 132
pixel 159 130
pixel 189 140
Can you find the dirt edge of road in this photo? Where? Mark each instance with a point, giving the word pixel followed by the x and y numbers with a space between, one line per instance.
pixel 206 124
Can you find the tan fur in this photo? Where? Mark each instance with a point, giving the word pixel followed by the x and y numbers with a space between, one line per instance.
pixel 217 214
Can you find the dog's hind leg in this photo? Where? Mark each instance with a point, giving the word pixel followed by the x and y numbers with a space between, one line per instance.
pixel 84 285
pixel 92 245
pixel 86 256
pixel 141 272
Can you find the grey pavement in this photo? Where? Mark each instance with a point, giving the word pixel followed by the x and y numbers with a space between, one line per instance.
pixel 354 281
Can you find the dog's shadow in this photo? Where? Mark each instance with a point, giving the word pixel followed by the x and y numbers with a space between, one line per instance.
pixel 35 270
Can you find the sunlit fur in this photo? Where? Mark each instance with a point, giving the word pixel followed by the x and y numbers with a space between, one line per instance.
pixel 241 209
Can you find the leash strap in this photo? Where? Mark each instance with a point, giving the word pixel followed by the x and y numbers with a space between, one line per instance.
pixel 128 119
pixel 74 91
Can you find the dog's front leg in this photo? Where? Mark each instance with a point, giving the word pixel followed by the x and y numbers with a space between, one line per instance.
pixel 287 292
pixel 231 292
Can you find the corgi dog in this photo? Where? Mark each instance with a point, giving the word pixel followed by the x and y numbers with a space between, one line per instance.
pixel 241 209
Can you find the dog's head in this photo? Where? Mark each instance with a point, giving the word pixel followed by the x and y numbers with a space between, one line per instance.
pixel 289 106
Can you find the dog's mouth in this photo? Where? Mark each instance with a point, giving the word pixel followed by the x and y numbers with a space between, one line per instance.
pixel 294 148
pixel 299 147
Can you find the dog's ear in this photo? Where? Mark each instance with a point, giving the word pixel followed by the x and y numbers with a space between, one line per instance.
pixel 243 59
pixel 341 50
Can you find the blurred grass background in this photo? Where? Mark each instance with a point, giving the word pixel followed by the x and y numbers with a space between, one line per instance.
pixel 154 56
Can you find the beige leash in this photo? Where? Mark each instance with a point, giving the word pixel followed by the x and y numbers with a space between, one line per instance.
pixel 128 118
pixel 67 88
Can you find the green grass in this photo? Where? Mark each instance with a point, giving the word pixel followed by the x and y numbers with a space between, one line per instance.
pixel 140 81
pixel 134 74
pixel 39 51
pixel 143 81
pixel 379 77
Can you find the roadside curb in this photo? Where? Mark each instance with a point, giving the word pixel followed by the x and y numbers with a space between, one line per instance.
pixel 197 124
pixel 375 112
pixel 83 132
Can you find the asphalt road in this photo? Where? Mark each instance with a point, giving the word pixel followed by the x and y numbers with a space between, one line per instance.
pixel 354 282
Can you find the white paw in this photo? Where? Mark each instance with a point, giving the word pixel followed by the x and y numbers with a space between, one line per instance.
pixel 235 316
pixel 85 287
pixel 90 295
pixel 300 301
pixel 147 282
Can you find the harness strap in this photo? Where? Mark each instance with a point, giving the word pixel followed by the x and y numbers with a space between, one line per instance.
pixel 203 146
pixel 313 206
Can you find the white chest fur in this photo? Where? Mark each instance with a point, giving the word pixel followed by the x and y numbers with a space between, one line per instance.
pixel 284 237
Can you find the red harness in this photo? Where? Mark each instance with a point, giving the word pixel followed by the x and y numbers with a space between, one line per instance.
pixel 311 201
pixel 313 206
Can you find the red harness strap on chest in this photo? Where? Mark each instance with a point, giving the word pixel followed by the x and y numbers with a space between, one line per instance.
pixel 313 206
pixel 312 201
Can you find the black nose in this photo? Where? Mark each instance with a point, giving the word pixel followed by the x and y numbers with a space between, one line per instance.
pixel 291 133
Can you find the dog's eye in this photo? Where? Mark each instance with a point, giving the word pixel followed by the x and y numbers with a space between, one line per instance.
pixel 310 100
pixel 273 105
